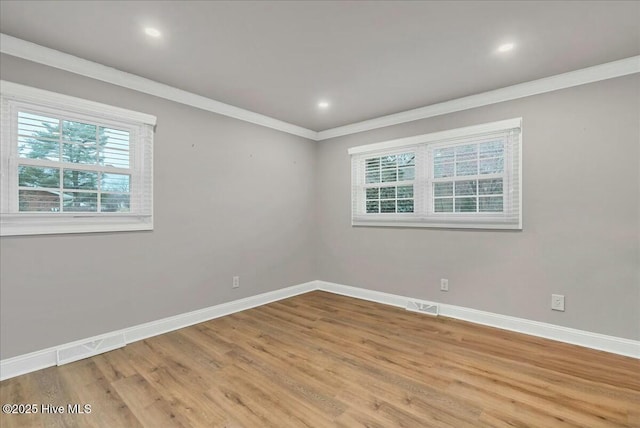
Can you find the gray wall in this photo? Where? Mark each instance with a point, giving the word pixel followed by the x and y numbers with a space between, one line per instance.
pixel 230 198
pixel 581 204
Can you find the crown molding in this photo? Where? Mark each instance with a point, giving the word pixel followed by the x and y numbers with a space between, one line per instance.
pixel 32 52
pixel 596 73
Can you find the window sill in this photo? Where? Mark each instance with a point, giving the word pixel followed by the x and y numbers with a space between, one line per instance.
pixel 434 225
pixel 19 225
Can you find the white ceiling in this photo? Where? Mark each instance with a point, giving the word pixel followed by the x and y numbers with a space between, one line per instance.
pixel 368 59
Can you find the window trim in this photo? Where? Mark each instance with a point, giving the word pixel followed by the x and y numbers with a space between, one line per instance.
pixel 423 146
pixel 14 97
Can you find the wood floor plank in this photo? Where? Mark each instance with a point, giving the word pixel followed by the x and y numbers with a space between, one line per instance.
pixel 259 392
pixel 18 391
pixel 323 360
pixel 357 419
pixel 114 365
pixel 146 404
pixel 88 385
pixel 184 390
pixel 240 407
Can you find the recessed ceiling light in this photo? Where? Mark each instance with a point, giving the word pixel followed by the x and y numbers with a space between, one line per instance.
pixel 153 32
pixel 323 104
pixel 506 47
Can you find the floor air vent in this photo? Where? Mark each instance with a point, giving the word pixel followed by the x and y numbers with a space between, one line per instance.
pixel 89 349
pixel 422 307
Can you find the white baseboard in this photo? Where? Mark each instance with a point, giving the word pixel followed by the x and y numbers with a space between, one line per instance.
pixel 38 360
pixel 602 342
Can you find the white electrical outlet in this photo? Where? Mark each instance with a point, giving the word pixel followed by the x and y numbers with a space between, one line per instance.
pixel 236 282
pixel 557 302
pixel 444 284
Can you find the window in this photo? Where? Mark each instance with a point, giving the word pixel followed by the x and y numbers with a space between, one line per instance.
pixel 389 183
pixel 70 165
pixel 463 178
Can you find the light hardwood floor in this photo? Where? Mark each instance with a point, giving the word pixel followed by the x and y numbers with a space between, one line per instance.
pixel 323 360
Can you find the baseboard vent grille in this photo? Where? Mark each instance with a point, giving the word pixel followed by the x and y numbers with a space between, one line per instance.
pixel 89 349
pixel 422 307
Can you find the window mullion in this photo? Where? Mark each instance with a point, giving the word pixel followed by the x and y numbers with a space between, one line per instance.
pixel 61 185
pixel 97 145
pixel 45 163
pixel 426 202
pixel 60 145
pixel 99 187
pixel 60 171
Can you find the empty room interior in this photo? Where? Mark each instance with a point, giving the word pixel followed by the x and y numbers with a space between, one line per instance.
pixel 320 214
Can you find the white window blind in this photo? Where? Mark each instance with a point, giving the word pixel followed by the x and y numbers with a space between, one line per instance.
pixel 71 165
pixel 463 178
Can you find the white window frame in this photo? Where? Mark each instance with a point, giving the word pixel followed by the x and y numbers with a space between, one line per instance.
pixel 14 98
pixel 423 146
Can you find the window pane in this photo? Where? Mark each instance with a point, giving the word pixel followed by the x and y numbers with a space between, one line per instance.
pixel 389 175
pixel 443 155
pixel 115 202
pixel 444 205
pixel 80 202
pixel 466 152
pixel 36 176
pixel 115 182
pixel 405 206
pixel 114 157
pixel 373 193
pixel 114 139
pixel 372 170
pixel 38 126
pixel 38 149
pixel 490 187
pixel 467 168
pixel 389 161
pixel 467 187
pixel 38 200
pixel 373 176
pixel 388 206
pixel 373 163
pixel 80 179
pixel 405 192
pixel 373 206
pixel 443 170
pixel 443 189
pixel 79 153
pixel 466 205
pixel 387 193
pixel 491 204
pixel 78 132
pixel 492 166
pixel 406 159
pixel 406 173
pixel 492 149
